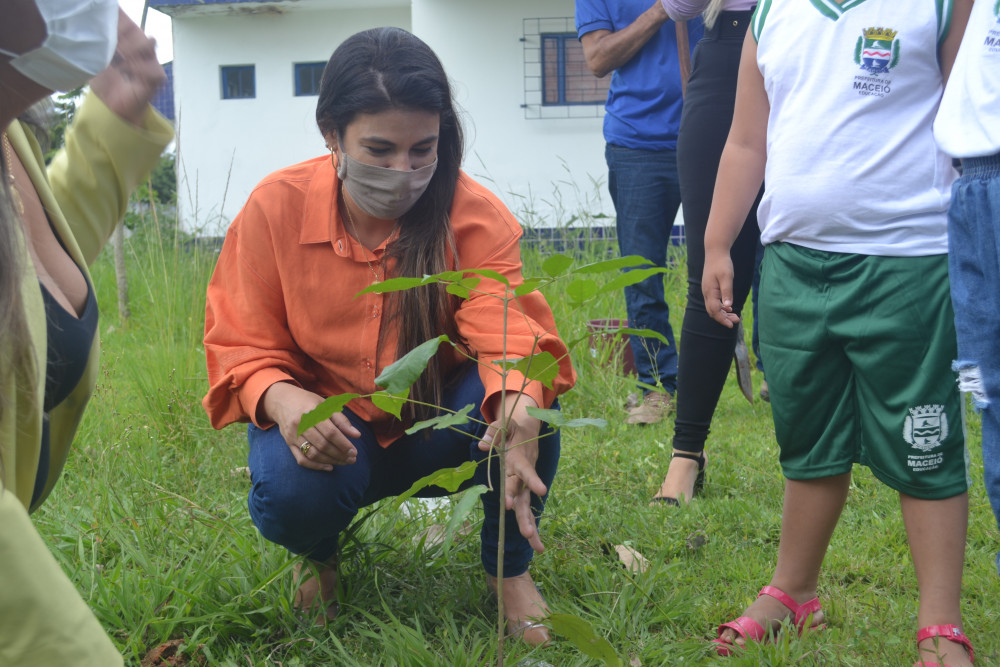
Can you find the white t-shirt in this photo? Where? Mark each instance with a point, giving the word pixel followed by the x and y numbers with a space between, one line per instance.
pixel 968 122
pixel 852 165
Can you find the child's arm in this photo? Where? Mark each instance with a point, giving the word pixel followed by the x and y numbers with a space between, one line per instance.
pixel 949 47
pixel 741 172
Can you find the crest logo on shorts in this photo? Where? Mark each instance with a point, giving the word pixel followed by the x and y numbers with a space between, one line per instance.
pixel 877 50
pixel 925 427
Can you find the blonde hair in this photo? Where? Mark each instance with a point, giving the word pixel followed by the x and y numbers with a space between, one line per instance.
pixel 712 12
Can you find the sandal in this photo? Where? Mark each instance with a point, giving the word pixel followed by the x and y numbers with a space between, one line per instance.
pixel 699 481
pixel 950 633
pixel 751 630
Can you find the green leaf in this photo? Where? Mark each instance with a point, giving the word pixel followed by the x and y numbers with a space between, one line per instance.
pixel 581 634
pixel 391 403
pixel 401 374
pixel 324 411
pixel 642 333
pixel 556 264
pixel 469 499
pixel 463 287
pixel 528 286
pixel 541 367
pixel 580 290
pixel 443 277
pixel 557 419
pixel 448 479
pixel 490 273
pixel 392 285
pixel 629 278
pixel 443 421
pixel 613 264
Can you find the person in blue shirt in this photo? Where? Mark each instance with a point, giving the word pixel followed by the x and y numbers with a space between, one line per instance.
pixel 637 41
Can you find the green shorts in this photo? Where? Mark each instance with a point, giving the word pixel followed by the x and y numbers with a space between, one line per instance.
pixel 858 351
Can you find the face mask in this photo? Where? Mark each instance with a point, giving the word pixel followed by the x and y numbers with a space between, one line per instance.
pixel 380 192
pixel 81 38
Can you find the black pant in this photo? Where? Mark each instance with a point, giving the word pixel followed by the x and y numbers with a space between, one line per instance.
pixel 706 348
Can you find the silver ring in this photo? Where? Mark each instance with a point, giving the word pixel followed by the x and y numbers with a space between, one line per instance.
pixel 305 447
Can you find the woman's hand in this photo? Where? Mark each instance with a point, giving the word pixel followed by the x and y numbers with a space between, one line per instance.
pixel 329 444
pixel 717 287
pixel 522 454
pixel 128 84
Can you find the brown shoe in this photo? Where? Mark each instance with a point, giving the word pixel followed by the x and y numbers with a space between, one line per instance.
pixel 654 408
pixel 316 596
pixel 523 606
pixel 765 394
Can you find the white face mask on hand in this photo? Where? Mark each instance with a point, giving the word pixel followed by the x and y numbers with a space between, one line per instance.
pixel 81 36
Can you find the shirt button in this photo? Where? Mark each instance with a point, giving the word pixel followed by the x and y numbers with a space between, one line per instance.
pixel 366 363
pixel 374 311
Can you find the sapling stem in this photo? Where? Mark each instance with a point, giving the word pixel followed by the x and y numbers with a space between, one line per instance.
pixel 502 461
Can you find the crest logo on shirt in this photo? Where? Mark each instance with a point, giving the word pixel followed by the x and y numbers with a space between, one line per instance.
pixel 877 50
pixel 992 40
pixel 925 427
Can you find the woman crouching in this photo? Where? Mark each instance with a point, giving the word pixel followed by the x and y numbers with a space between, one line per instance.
pixel 286 326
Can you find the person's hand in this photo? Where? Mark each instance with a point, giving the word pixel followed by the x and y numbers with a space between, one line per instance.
pixel 128 84
pixel 329 441
pixel 522 454
pixel 717 287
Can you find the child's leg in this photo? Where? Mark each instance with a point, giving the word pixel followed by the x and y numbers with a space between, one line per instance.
pixel 814 420
pixel 911 427
pixel 974 256
pixel 991 459
pixel 936 531
pixel 811 510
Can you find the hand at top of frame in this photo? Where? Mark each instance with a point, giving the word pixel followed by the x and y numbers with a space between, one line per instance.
pixel 128 84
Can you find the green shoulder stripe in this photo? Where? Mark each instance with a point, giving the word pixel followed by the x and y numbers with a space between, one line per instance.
pixel 757 22
pixel 944 8
pixel 834 9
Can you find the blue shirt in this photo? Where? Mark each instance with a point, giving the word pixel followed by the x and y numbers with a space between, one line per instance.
pixel 644 102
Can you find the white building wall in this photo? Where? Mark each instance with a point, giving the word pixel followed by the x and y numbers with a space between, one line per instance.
pixel 225 147
pixel 547 170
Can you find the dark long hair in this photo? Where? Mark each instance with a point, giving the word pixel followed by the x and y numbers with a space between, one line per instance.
pixel 379 70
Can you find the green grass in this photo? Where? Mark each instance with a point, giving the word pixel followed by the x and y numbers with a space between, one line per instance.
pixel 150 522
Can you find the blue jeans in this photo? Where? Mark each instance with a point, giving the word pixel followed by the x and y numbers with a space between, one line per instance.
pixel 646 192
pixel 305 510
pixel 974 270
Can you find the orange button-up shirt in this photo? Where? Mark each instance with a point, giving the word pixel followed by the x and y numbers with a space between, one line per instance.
pixel 282 304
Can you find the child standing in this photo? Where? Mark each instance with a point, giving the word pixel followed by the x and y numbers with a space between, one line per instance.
pixel 835 102
pixel 968 127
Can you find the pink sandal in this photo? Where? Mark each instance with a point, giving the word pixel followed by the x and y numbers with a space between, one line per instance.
pixel 951 633
pixel 751 630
